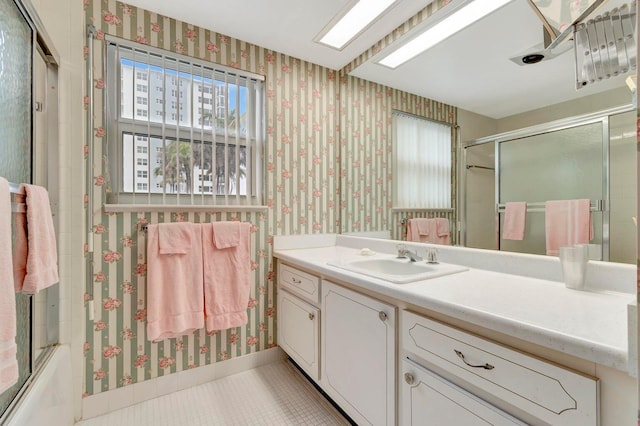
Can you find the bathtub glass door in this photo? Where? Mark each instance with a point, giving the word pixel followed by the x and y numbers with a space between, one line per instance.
pixel 16 41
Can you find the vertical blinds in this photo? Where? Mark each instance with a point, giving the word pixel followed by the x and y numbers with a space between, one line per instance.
pixel 422 163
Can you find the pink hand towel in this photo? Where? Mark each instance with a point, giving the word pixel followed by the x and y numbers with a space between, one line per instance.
pixel 173 238
pixel 8 359
pixel 42 256
pixel 227 277
pixel 21 246
pixel 175 297
pixel 419 229
pixel 514 221
pixel 567 222
pixel 226 234
pixel 442 226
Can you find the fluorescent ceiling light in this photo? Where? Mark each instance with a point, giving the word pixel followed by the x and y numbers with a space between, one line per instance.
pixel 460 19
pixel 355 20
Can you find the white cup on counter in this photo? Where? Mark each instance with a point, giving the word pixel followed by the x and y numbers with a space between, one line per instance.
pixel 573 260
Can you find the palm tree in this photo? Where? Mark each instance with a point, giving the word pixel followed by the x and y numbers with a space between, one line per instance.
pixel 175 160
pixel 177 157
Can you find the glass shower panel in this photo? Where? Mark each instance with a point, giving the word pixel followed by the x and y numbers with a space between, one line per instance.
pixel 560 165
pixel 15 148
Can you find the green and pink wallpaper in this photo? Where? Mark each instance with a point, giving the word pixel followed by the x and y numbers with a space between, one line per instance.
pixel 327 169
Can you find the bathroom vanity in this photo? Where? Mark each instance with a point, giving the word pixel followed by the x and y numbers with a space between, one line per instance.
pixel 496 338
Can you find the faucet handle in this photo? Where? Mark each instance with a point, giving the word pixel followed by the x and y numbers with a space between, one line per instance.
pixel 432 255
pixel 402 250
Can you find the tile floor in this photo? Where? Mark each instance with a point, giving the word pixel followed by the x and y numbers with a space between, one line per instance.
pixel 274 394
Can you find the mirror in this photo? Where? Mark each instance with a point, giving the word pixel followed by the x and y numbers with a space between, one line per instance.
pixel 475 71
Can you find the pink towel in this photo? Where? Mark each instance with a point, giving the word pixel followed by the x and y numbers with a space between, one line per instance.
pixel 226 234
pixel 514 221
pixel 21 246
pixel 42 253
pixel 173 238
pixel 567 222
pixel 437 231
pixel 442 227
pixel 175 297
pixel 8 359
pixel 227 277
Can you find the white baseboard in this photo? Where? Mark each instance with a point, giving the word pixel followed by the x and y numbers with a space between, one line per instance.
pixel 116 399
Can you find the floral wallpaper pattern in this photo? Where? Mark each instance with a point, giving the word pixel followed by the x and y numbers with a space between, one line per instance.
pixel 326 133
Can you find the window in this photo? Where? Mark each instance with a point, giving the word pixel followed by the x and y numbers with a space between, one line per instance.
pixel 141 87
pixel 141 76
pixel 216 156
pixel 422 155
pixel 142 149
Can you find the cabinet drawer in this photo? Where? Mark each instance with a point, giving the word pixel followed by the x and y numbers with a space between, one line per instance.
pixel 299 332
pixel 425 395
pixel 298 282
pixel 547 392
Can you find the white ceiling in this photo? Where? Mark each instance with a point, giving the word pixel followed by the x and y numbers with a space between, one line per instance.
pixel 470 70
pixel 286 26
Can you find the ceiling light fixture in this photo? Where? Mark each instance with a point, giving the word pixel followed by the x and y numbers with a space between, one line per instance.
pixel 353 21
pixel 457 20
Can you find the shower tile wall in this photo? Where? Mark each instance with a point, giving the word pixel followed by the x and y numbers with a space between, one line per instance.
pixel 310 110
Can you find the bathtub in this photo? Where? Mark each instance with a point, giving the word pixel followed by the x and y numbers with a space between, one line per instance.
pixel 48 397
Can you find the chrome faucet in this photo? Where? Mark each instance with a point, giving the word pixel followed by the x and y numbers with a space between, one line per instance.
pixel 432 255
pixel 404 252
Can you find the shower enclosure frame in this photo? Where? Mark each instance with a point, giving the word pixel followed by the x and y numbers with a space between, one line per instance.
pixel 601 116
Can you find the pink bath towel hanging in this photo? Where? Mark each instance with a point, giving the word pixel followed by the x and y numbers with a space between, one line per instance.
pixel 567 222
pixel 8 359
pixel 514 221
pixel 227 274
pixel 42 251
pixel 175 299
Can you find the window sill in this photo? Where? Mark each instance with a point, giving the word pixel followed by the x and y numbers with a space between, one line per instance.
pixel 131 208
pixel 420 209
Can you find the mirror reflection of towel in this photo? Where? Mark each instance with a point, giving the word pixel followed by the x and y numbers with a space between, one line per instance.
pixel 514 221
pixel 567 222
pixel 437 230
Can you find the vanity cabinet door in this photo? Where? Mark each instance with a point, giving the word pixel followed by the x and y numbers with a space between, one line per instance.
pixel 426 398
pixel 358 354
pixel 298 332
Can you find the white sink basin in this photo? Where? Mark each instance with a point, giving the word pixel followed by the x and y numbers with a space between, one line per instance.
pixel 398 271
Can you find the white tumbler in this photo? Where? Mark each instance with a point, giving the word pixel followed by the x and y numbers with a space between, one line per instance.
pixel 574 265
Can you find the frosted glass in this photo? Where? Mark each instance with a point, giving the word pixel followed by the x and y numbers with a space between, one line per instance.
pixel 561 165
pixel 15 148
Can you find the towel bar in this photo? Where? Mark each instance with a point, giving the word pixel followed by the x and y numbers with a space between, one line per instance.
pixel 596 206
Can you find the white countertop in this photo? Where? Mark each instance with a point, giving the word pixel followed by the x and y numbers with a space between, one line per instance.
pixel 591 325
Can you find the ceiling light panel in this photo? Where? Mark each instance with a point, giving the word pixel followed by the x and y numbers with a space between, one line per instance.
pixel 357 18
pixel 458 20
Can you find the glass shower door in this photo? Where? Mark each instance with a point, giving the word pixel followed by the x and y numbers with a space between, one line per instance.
pixel 559 165
pixel 16 41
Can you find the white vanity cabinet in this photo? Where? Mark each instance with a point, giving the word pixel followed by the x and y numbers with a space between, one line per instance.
pixel 358 354
pixel 299 318
pixel 541 392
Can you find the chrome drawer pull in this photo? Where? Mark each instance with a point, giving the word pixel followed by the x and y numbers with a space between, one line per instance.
pixel 485 366
pixel 311 316
pixel 296 281
pixel 382 315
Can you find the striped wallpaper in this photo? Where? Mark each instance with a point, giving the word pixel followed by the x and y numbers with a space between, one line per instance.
pixel 327 162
